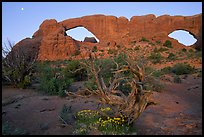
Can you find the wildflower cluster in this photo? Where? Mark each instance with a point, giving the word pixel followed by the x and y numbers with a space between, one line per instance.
pixel 114 120
pixel 105 109
pixel 92 119
pixel 87 113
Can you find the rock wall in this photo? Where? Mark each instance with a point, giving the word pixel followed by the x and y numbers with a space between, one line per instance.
pixel 53 44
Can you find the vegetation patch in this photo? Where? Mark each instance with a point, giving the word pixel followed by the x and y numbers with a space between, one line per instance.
pixel 87 120
pixel 94 49
pixel 182 68
pixel 168 44
pixel 144 39
pixel 155 58
pixel 8 130
pixel 171 57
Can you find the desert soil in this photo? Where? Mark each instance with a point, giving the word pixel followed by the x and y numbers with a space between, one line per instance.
pixel 178 112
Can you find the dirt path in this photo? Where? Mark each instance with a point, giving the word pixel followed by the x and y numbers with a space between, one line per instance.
pixel 179 110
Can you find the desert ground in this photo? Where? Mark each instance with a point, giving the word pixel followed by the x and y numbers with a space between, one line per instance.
pixel 178 111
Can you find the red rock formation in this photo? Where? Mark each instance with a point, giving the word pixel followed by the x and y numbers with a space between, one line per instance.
pixel 90 39
pixel 53 44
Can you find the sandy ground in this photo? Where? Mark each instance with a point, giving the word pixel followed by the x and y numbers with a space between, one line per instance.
pixel 178 112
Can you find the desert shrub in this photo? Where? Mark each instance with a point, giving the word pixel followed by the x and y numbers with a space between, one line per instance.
pixel 158 42
pixel 77 52
pixel 52 81
pixel 157 73
pixel 184 50
pixel 155 57
pixel 151 43
pixel 162 49
pixel 171 57
pixel 191 50
pixel 166 70
pixel 143 39
pixel 75 71
pixel 168 44
pixel 66 115
pixel 90 84
pixel 177 79
pixel 8 130
pixel 182 68
pixel 112 51
pixel 17 66
pixel 159 50
pixel 153 84
pixel 153 72
pixel 102 54
pixel 155 50
pixel 94 49
pixel 136 48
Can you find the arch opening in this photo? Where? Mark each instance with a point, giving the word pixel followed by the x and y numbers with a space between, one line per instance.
pixel 184 37
pixel 80 33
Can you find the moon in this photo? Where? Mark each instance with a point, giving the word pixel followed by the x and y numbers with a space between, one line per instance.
pixel 22 8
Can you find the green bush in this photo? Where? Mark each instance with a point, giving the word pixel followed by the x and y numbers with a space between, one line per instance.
pixel 143 39
pixel 155 50
pixel 182 68
pixel 77 52
pixel 155 58
pixel 94 49
pixel 70 71
pixel 171 57
pixel 168 44
pixel 90 84
pixel 184 50
pixel 151 43
pixel 158 42
pixel 162 49
pixel 166 70
pixel 52 80
pixel 191 50
pixel 159 50
pixel 154 84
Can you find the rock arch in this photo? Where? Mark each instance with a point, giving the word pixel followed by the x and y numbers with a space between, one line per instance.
pixel 53 44
pixel 178 34
pixel 80 26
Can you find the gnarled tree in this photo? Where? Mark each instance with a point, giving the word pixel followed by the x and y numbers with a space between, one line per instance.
pixel 131 105
pixel 17 65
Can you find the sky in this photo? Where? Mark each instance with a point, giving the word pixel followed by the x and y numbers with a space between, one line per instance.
pixel 21 19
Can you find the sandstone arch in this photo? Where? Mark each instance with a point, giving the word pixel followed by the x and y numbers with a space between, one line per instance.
pixel 190 36
pixel 53 44
pixel 82 29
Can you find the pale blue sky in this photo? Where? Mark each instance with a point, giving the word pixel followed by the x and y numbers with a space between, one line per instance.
pixel 18 23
